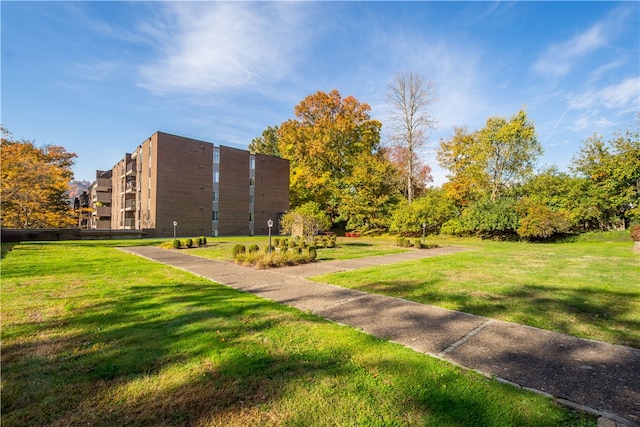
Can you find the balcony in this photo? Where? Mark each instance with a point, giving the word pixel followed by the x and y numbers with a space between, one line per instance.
pixel 102 211
pixel 130 187
pixel 130 205
pixel 131 169
pixel 101 225
pixel 103 184
pixel 129 223
pixel 102 197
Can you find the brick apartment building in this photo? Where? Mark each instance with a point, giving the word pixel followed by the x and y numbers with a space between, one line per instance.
pixel 207 190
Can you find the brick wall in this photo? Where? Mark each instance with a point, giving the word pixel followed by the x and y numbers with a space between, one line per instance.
pixel 271 192
pixel 234 192
pixel 184 186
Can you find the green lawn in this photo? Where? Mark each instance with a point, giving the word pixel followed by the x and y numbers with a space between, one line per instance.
pixel 94 336
pixel 588 288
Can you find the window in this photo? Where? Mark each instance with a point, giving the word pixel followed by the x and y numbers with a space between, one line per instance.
pixel 214 216
pixel 216 177
pixel 252 199
pixel 250 216
pixel 216 156
pixel 252 181
pixel 215 196
pixel 252 163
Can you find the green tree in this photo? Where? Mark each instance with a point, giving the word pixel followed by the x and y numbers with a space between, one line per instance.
pixel 307 219
pixel 491 218
pixel 368 194
pixel 612 170
pixel 433 209
pixel 490 160
pixel 324 143
pixel 267 143
pixel 410 96
pixel 35 184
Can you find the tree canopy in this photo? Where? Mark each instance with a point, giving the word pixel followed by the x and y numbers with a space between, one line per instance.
pixel 35 184
pixel 492 159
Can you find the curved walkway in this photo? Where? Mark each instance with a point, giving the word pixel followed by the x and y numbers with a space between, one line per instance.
pixel 587 375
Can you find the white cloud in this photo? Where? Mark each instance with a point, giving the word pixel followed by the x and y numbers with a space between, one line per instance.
pixel 559 58
pixel 621 96
pixel 210 46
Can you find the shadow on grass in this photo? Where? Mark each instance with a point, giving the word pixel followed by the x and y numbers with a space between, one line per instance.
pixel 6 248
pixel 195 354
pixel 531 305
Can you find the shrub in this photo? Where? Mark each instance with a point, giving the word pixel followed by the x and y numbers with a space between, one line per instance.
pixel 400 241
pixel 238 250
pixel 331 242
pixel 453 227
pixel 266 249
pixel 313 254
pixel 418 243
pixel 634 232
pixel 292 244
pixel 302 244
pixel 177 244
pixel 276 242
pixel 253 248
pixel 189 242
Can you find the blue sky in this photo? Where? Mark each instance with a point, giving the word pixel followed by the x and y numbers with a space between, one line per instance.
pixel 100 77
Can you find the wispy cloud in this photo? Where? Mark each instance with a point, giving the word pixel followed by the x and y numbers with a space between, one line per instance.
pixel 559 58
pixel 623 96
pixel 210 46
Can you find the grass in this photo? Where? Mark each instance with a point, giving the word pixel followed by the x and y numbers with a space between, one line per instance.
pixel 94 336
pixel 588 287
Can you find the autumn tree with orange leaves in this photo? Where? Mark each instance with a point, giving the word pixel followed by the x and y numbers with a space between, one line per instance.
pixel 35 182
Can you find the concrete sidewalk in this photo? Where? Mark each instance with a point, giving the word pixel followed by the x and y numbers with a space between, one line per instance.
pixel 593 376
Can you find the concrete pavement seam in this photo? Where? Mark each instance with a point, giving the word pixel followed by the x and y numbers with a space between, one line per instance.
pixel 465 338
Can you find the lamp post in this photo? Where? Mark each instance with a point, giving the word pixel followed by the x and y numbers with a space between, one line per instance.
pixel 270 224
pixel 424 227
pixel 175 224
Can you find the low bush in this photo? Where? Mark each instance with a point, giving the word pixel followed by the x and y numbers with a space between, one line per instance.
pixel 253 248
pixel 238 250
pixel 189 242
pixel 313 253
pixel 177 244
pixel 276 242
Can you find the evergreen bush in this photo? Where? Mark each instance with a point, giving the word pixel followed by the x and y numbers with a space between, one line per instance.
pixel 238 250
pixel 177 244
pixel 253 248
pixel 312 252
pixel 189 242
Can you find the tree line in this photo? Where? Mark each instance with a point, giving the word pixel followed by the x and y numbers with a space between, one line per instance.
pixel 494 188
pixel 342 173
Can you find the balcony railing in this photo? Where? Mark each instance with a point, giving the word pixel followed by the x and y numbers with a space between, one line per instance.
pixel 101 225
pixel 102 211
pixel 102 197
pixel 130 187
pixel 129 223
pixel 130 205
pixel 131 169
pixel 103 184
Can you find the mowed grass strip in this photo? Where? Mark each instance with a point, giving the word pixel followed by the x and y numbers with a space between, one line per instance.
pixel 588 289
pixel 94 336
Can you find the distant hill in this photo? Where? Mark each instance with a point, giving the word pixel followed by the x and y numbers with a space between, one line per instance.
pixel 77 187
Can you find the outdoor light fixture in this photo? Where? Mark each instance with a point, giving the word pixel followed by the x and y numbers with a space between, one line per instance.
pixel 175 224
pixel 270 224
